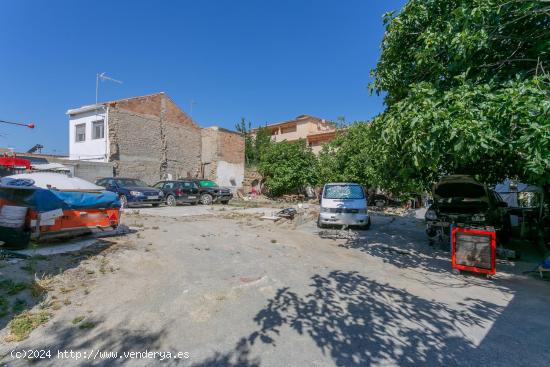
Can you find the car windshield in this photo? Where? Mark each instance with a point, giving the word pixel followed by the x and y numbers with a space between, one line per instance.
pixel 130 182
pixel 344 192
pixel 206 183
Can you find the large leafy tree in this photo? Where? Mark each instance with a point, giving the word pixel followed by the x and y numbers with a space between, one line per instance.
pixel 288 167
pixel 467 90
pixel 255 143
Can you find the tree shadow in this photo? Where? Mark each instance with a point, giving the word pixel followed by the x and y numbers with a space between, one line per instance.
pixel 403 247
pixel 239 357
pixel 91 337
pixel 358 322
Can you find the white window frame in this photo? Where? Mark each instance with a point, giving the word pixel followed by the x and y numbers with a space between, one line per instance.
pixel 76 132
pixel 94 123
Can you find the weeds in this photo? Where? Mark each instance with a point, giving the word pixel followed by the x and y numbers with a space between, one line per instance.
pixel 40 286
pixel 77 319
pixel 18 306
pixel 11 287
pixel 3 306
pixel 22 325
pixel 86 325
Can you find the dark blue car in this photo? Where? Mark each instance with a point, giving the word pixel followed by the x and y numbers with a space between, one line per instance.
pixel 131 191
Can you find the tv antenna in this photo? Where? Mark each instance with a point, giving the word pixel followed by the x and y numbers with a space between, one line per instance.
pixel 102 77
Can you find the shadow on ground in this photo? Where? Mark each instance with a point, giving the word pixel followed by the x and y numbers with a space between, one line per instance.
pixel 358 321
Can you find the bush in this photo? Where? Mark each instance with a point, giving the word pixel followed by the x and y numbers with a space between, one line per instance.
pixel 288 167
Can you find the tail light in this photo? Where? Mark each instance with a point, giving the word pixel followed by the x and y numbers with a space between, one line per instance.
pixel 178 192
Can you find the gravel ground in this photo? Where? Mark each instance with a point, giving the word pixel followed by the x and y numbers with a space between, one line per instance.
pixel 232 290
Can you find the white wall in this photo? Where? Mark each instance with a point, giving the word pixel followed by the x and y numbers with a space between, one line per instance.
pixel 90 149
pixel 227 171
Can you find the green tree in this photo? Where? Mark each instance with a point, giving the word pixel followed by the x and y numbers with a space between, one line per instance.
pixel 262 141
pixel 288 167
pixel 467 91
pixel 244 128
pixel 255 143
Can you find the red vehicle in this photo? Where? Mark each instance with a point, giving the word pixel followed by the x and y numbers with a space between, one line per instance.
pixel 11 165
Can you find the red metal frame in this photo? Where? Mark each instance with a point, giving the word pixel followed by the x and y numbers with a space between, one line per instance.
pixel 14 162
pixel 474 269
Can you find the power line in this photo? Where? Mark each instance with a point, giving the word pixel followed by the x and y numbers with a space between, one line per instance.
pixel 29 125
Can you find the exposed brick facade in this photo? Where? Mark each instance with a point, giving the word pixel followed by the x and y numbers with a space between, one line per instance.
pixel 223 156
pixel 151 138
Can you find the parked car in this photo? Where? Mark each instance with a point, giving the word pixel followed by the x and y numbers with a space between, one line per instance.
pixel 461 200
pixel 210 192
pixel 132 191
pixel 343 204
pixel 179 192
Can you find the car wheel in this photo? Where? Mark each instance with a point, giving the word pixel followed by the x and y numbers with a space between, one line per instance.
pixel 319 224
pixel 171 200
pixel 367 226
pixel 206 199
pixel 123 201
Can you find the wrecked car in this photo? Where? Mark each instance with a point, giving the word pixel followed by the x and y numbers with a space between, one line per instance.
pixel 461 200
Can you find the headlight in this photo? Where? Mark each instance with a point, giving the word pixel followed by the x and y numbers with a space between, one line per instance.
pixel 136 193
pixel 161 193
pixel 431 215
pixel 478 218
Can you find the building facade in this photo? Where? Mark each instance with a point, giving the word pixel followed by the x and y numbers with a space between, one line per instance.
pixel 146 137
pixel 151 138
pixel 223 156
pixel 314 130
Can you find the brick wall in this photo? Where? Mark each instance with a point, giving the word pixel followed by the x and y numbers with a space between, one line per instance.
pixel 151 138
pixel 223 156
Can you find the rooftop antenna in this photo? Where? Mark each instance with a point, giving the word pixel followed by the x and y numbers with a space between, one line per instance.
pixel 102 77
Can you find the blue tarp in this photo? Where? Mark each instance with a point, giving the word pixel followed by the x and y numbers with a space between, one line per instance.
pixel 43 200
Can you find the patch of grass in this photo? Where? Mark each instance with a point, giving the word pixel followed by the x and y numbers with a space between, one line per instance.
pixel 40 286
pixel 67 302
pixel 3 306
pixel 273 241
pixel 11 287
pixel 86 325
pixel 77 319
pixel 18 306
pixel 22 325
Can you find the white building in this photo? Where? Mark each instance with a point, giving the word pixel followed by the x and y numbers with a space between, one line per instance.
pixel 88 138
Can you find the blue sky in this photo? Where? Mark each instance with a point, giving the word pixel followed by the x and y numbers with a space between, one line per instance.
pixel 266 61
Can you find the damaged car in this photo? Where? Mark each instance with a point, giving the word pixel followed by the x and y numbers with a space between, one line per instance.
pixel 462 201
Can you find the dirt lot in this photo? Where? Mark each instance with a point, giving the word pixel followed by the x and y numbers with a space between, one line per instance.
pixel 232 290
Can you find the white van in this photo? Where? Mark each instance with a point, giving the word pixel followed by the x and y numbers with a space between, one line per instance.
pixel 343 204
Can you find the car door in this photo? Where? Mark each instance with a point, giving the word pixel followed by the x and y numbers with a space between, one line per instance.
pixel 111 185
pixel 170 188
pixel 189 190
pixel 160 186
